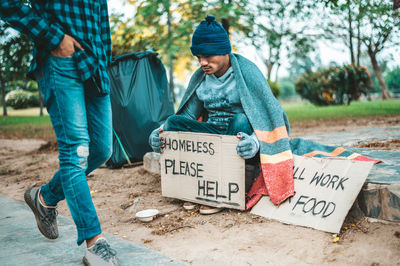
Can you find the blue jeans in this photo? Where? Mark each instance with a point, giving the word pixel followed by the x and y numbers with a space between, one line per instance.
pixel 238 123
pixel 83 127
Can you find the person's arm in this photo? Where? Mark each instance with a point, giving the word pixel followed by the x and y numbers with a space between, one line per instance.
pixel 27 21
pixel 193 108
pixel 105 30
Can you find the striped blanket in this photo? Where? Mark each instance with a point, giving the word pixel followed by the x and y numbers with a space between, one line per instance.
pixel 271 126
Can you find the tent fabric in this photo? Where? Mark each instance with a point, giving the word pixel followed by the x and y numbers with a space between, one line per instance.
pixel 140 101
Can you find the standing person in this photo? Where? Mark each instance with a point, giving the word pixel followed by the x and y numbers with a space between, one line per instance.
pixel 71 54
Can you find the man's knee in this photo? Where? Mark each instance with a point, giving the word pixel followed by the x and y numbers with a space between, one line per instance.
pixel 173 123
pixel 82 153
pixel 101 152
pixel 240 123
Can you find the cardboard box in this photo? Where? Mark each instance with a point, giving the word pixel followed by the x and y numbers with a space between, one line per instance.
pixel 325 191
pixel 203 168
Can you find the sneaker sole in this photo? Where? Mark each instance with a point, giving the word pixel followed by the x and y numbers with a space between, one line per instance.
pixel 28 201
pixel 210 211
pixel 85 261
pixel 189 206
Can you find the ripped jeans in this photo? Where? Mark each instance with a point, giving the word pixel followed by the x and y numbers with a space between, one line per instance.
pixel 82 124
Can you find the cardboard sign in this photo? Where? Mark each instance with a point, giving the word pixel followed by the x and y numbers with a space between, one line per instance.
pixel 325 191
pixel 203 168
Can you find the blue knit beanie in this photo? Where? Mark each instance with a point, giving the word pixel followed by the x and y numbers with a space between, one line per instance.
pixel 210 38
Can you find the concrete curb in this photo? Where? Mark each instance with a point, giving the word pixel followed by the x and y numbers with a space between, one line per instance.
pixel 23 244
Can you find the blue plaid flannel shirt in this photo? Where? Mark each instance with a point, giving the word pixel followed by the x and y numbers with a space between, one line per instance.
pixel 46 22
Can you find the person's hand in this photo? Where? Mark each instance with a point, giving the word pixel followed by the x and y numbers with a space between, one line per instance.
pixel 155 141
pixel 66 47
pixel 248 147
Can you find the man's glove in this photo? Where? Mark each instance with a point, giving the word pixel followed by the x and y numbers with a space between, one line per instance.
pixel 248 146
pixel 155 141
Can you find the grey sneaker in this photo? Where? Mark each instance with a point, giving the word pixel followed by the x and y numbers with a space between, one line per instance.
pixel 100 254
pixel 45 216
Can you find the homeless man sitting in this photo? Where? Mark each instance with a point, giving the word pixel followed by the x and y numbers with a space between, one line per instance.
pixel 221 89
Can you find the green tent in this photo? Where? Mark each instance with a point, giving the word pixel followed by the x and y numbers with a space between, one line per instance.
pixel 140 101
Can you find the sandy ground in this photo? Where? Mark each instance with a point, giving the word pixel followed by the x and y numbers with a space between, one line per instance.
pixel 227 238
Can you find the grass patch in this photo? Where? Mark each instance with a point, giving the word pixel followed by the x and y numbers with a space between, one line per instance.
pixel 22 124
pixel 26 123
pixel 306 112
pixel 34 111
pixel 16 127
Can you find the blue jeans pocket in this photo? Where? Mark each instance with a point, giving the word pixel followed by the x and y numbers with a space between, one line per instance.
pixel 64 66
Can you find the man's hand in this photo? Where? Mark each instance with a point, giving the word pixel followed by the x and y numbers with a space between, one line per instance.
pixel 155 141
pixel 246 148
pixel 66 47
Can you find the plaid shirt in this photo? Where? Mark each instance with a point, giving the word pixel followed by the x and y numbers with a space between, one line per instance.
pixel 46 22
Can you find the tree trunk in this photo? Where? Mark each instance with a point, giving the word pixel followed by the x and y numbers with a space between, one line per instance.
pixel 350 20
pixel 225 21
pixel 269 69
pixel 277 70
pixel 358 44
pixel 225 24
pixel 171 80
pixel 269 65
pixel 3 94
pixel 378 72
pixel 3 97
pixel 41 103
pixel 171 56
pixel 358 38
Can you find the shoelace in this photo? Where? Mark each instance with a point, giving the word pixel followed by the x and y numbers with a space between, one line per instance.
pixel 50 216
pixel 104 250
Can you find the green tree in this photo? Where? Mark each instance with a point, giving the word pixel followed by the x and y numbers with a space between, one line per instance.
pixel 371 25
pixel 343 21
pixel 163 25
pixel 392 79
pixel 14 58
pixel 382 24
pixel 335 85
pixel 287 87
pixel 303 58
pixel 277 25
pixel 167 26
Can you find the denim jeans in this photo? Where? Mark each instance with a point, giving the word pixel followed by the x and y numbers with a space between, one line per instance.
pixel 83 127
pixel 239 123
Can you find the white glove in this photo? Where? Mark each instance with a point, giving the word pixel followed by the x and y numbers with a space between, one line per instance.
pixel 155 140
pixel 248 146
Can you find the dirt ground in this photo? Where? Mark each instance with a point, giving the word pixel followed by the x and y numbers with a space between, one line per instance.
pixel 227 238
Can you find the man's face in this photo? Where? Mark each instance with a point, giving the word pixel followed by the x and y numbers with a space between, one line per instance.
pixel 214 64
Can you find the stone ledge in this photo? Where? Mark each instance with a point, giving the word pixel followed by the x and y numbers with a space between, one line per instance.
pixel 381 201
pixel 151 162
